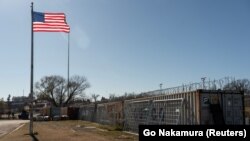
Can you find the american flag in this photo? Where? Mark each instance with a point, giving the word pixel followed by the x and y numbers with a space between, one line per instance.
pixel 50 22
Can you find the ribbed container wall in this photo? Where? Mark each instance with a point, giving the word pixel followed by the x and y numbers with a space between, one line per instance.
pixel 110 113
pixel 200 107
pixel 171 109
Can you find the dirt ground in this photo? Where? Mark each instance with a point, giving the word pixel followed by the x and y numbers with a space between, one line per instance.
pixel 70 131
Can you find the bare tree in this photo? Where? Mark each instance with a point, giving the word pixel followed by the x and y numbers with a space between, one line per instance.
pixel 94 97
pixel 2 106
pixel 240 85
pixel 112 96
pixel 55 89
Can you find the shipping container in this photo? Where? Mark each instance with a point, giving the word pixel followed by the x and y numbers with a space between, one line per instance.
pixel 247 108
pixel 87 112
pixel 199 107
pixel 110 113
pixel 73 113
pixel 106 113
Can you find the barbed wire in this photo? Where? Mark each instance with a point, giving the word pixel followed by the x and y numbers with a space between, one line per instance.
pixel 206 85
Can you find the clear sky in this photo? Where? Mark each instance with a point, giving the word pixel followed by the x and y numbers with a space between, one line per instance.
pixel 127 45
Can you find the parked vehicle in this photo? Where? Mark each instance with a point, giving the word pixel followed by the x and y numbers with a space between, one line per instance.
pixel 40 117
pixel 24 115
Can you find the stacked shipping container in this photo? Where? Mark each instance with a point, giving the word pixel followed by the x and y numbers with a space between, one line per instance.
pixel 199 107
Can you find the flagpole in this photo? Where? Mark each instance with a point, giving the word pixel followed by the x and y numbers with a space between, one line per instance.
pixel 31 72
pixel 68 61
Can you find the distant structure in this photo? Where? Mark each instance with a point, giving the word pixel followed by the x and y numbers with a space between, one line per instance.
pixel 19 103
pixel 160 86
pixel 40 105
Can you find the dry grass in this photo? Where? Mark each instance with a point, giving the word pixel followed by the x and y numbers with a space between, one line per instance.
pixel 70 131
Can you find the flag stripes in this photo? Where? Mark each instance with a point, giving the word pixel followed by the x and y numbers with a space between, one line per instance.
pixel 50 22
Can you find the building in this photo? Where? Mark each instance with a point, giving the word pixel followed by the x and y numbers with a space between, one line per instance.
pixel 19 103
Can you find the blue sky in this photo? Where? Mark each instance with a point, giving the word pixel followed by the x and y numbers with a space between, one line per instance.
pixel 127 45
